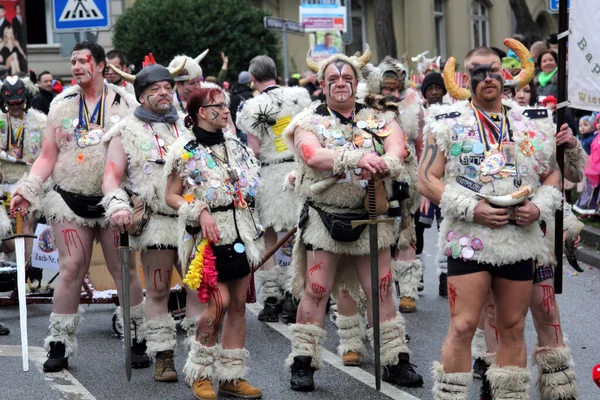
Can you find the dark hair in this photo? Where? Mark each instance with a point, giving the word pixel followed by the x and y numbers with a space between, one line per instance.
pixel 501 53
pixel 200 98
pixel 532 87
pixel 115 53
pixel 542 53
pixel 42 74
pixel 96 50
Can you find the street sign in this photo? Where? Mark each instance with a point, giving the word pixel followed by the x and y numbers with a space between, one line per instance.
pixel 81 15
pixel 553 6
pixel 277 24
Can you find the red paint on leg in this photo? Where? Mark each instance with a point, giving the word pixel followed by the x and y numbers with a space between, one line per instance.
pixel 159 277
pixel 495 331
pixel 219 309
pixel 319 290
pixel 548 298
pixel 315 268
pixel 385 284
pixel 307 152
pixel 116 238
pixel 556 330
pixel 451 296
pixel 72 240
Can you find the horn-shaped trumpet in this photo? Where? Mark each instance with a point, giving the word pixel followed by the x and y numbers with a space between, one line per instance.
pixel 366 56
pixel 201 56
pixel 312 64
pixel 128 77
pixel 177 70
pixel 451 85
pixel 527 64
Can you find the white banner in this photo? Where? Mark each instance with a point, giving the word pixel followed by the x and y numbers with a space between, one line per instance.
pixel 43 253
pixel 283 256
pixel 584 55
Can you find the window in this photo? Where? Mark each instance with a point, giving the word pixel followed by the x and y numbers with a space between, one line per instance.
pixel 480 23
pixel 440 27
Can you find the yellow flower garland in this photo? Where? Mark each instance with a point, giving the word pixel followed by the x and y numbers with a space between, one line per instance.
pixel 195 273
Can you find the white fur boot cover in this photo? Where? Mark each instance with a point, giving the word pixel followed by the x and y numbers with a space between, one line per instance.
pixel 269 280
pixel 452 386
pixel 190 326
pixel 478 347
pixel 509 382
pixel 307 340
pixel 136 314
pixel 230 365
pixel 160 334
pixel 557 380
pixel 409 277
pixel 200 362
pixel 393 340
pixel 352 331
pixel 62 329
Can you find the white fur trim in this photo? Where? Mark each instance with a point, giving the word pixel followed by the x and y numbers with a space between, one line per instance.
pixel 160 334
pixel 458 203
pixel 63 328
pixel 191 69
pixel 352 331
pixel 478 346
pixel 392 339
pixel 557 378
pixel 575 160
pixel 5 223
pixel 408 274
pixel 190 212
pixel 30 188
pixel 489 358
pixel 397 170
pixel 547 199
pixel 307 340
pixel 117 200
pixel 200 363
pixel 269 280
pixel 230 366
pixel 450 386
pixel 277 208
pixel 509 382
pixel 345 160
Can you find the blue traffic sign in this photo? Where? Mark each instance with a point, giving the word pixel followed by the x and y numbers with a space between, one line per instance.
pixel 553 5
pixel 81 15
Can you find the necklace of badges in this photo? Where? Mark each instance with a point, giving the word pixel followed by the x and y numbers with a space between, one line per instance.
pixel 86 132
pixel 492 137
pixel 14 141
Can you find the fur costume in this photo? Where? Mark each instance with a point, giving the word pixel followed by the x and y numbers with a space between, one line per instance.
pixel 34 127
pixel 342 197
pixel 148 179
pixel 307 340
pixel 392 338
pixel 62 329
pixel 79 169
pixel 137 315
pixel 557 380
pixel 352 331
pixel 270 282
pixel 408 274
pixel 478 346
pixel 509 383
pixel 575 160
pixel 229 366
pixel 5 224
pixel 219 195
pixel 200 363
pixel 160 334
pixel 192 67
pixel 190 326
pixel 450 386
pixel 511 243
pixel 276 209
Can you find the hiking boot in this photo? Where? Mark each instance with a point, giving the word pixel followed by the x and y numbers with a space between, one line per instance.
pixel 351 359
pixel 56 361
pixel 421 284
pixel 485 391
pixel 302 374
pixel 203 389
pixel 403 373
pixel 4 330
pixel 408 305
pixel 164 370
pixel 139 358
pixel 479 368
pixel 240 389
pixel 270 313
pixel 443 289
pixel 289 309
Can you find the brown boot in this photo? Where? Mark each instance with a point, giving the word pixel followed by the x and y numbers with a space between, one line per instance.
pixel 203 389
pixel 351 359
pixel 240 389
pixel 408 305
pixel 164 370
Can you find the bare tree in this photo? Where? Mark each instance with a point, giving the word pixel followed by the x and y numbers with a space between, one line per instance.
pixel 384 28
pixel 525 23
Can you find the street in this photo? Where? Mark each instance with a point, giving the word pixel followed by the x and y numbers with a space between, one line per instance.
pixel 98 371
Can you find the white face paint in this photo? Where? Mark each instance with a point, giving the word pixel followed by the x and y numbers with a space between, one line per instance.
pixel 340 83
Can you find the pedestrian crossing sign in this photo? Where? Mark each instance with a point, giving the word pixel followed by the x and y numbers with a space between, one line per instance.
pixel 81 15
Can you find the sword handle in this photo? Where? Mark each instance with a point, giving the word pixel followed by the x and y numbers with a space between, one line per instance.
pixel 19 220
pixel 372 210
pixel 124 239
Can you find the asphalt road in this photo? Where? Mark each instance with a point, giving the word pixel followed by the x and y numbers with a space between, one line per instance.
pixel 98 370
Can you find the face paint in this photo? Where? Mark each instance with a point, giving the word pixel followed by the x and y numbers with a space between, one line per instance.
pixel 307 152
pixel 451 297
pixel 480 72
pixel 215 114
pixel 91 64
pixel 548 297
pixel 315 268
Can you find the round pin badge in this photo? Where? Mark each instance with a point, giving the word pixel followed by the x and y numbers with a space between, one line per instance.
pixel 148 168
pixel 381 123
pixel 476 244
pixel 357 171
pixel 363 183
pixel 361 124
pixel 161 142
pixel 326 134
pixel 456 250
pixel 115 118
pixel 471 172
pixel 448 251
pixel 252 191
pixel 538 144
pixel 211 194
pixel 526 148
pixel 214 183
pixel 191 164
pixel 66 123
pixel 368 143
pixel 464 241
pixel 467 253
pixel 523 170
pixel 341 141
pixel 75 122
pixel 367 135
pixel 456 149
pixel 146 145
pixel 457 129
pixel 450 236
pixel 359 141
pixel 477 148
pixel 191 181
pixel 239 248
pixel 485 178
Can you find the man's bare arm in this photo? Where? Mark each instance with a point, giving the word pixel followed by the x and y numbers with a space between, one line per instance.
pixel 431 170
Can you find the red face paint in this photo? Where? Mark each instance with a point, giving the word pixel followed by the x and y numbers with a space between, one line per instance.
pixel 307 152
pixel 71 238
pixel 384 284
pixel 451 296
pixel 89 59
pixel 315 268
pixel 319 290
pixel 548 299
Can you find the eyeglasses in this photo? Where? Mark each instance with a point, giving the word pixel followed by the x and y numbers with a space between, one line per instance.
pixel 220 106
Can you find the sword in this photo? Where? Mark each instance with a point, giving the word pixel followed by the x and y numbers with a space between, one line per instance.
pixel 372 222
pixel 124 254
pixel 19 239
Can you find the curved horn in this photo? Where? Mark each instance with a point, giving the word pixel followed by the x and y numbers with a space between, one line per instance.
pixel 451 85
pixel 312 64
pixel 201 56
pixel 177 70
pixel 527 64
pixel 128 77
pixel 366 56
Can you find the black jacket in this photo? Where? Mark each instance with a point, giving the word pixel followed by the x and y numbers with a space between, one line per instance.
pixel 41 101
pixel 239 94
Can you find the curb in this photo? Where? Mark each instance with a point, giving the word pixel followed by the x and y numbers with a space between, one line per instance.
pixel 587 252
pixel 590 236
pixel 589 256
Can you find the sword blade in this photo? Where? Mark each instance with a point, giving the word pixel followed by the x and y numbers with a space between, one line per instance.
pixel 124 253
pixel 375 295
pixel 20 252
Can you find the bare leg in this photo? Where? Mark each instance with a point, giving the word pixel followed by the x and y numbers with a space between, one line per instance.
pixel 233 335
pixel 270 241
pixel 491 326
pixel 211 318
pixel 346 305
pixel 158 267
pixel 387 308
pixel 546 316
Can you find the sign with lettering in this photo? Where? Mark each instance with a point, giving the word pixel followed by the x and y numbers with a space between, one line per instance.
pixel 44 253
pixel 584 56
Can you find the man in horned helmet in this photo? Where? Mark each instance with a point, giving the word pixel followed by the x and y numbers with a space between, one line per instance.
pixel 73 156
pixel 482 160
pixel 138 145
pixel 340 145
pixel 264 118
pixel 188 81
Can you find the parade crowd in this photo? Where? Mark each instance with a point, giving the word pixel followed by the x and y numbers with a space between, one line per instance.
pixel 203 177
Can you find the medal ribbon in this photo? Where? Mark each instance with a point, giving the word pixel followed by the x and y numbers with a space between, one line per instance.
pixel 15 139
pixel 488 131
pixel 161 148
pixel 99 109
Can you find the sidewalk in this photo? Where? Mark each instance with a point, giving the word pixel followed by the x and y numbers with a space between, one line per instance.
pixel 588 252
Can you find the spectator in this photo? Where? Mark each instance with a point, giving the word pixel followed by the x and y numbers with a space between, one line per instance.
pixel 294 80
pixel 41 101
pixel 117 59
pixel 309 82
pixel 553 42
pixel 433 88
pixel 589 200
pixel 535 51
pixel 240 93
pixel 527 95
pixel 547 80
